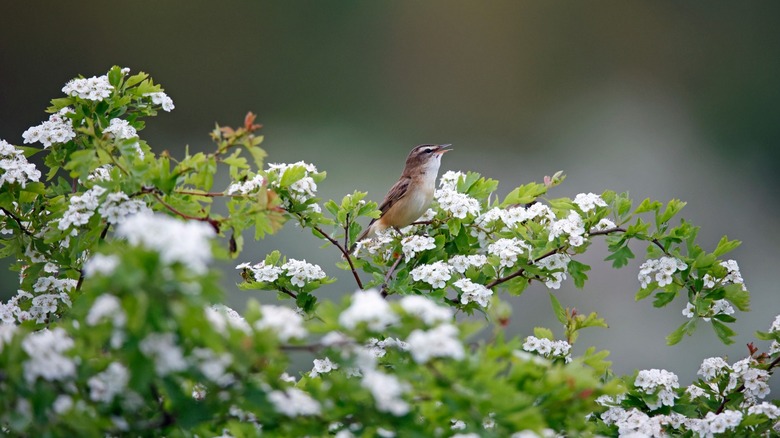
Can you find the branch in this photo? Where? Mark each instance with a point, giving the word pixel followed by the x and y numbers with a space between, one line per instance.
pixel 344 252
pixel 286 291
pixel 623 230
pixel 388 275
pixel 204 194
pixel 213 222
pixel 520 271
pixel 18 221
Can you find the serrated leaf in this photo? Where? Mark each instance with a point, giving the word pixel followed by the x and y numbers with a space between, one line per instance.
pixel 291 175
pixel 724 332
pixel 677 335
pixel 725 245
pixel 647 205
pixel 560 313
pixel 577 271
pixel 524 194
pixel 663 298
pixel 620 257
pixel 739 297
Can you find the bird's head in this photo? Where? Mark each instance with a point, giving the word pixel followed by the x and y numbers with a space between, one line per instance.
pixel 426 157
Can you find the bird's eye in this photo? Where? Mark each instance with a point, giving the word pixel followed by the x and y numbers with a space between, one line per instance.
pixel 428 150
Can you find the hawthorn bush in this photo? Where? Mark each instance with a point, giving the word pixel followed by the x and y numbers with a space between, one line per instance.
pixel 117 328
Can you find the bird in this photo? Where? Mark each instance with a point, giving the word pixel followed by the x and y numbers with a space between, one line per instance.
pixel 410 197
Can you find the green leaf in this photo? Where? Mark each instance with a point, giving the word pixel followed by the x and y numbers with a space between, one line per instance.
pixel 524 194
pixel 672 208
pixel 725 245
pixel 648 205
pixel 543 333
pixel 663 298
pixel 738 296
pixel 291 175
pixel 620 257
pixel 676 336
pixel 560 313
pixel 577 271
pixel 724 332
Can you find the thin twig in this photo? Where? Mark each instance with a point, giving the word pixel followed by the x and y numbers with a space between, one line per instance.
pixel 520 271
pixel 204 194
pixel 344 252
pixel 390 274
pixel 18 221
pixel 213 222
pixel 286 291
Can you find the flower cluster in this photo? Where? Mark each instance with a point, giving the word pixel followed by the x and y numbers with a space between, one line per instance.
pixel 81 208
pixel 660 383
pixel 589 201
pixel 572 226
pixel 458 204
pixel 118 207
pixel 323 366
pixel 293 402
pixel 473 292
pixel 301 190
pixel 547 348
pixel 163 350
pixel 187 243
pixel 437 274
pixel 508 250
pixel 411 245
pixel 106 385
pixel 733 276
pixel 251 185
pixel 441 341
pixel 425 309
pixel 461 263
pixel 368 307
pixel 58 129
pixel 285 322
pixel 162 99
pixel 120 130
pixel 387 391
pixel 663 268
pixel 717 307
pixel 15 167
pixel 45 355
pixel 95 88
pixel 298 271
pixel 558 265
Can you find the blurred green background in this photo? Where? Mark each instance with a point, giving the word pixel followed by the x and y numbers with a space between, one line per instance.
pixel 662 99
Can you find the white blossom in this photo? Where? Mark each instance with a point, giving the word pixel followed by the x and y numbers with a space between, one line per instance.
pixel 461 263
pixel 572 226
pixel 712 367
pixel 286 322
pixel 187 243
pixel 733 275
pixel 387 391
pixel 214 366
pixel 106 385
pixel 411 245
pixel 162 99
pixel 765 408
pixel 262 272
pixel 62 404
pixel 58 129
pixel 663 268
pixel 221 317
pixel 473 292
pixel 589 201
pixel 369 307
pixel 323 366
pixel 293 402
pixel 45 355
pixel 163 350
pixel 302 190
pixel 15 167
pixel 660 382
pixel 449 180
pixel 602 225
pixel 95 88
pixel 118 206
pixel 106 307
pixel 425 309
pixel 436 274
pixel 547 348
pixel 100 264
pixel 459 204
pixel 249 186
pixel 120 130
pixel 441 341
pixel 301 272
pixel 81 208
pixel 558 265
pixel 508 250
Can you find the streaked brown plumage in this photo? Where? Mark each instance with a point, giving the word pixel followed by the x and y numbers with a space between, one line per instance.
pixel 410 197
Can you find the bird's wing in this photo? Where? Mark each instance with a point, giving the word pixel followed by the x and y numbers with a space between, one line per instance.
pixel 395 193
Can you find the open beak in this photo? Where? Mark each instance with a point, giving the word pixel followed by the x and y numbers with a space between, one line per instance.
pixel 443 148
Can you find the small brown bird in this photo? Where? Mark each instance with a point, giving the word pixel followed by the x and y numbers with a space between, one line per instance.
pixel 410 197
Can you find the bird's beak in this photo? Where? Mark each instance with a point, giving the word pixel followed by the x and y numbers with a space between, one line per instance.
pixel 443 148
